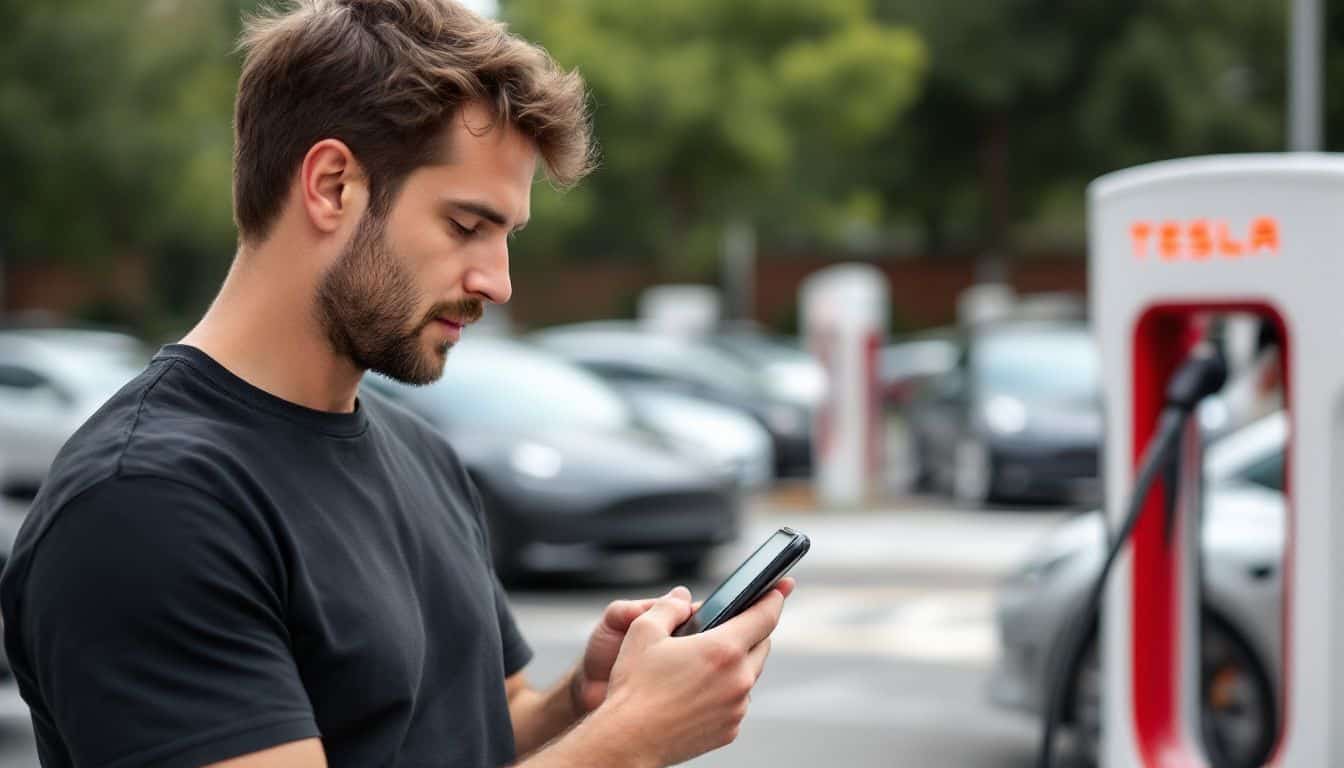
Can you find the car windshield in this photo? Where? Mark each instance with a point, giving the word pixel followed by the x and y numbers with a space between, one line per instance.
pixel 656 356
pixel 93 365
pixel 1253 454
pixel 1057 364
pixel 759 349
pixel 512 386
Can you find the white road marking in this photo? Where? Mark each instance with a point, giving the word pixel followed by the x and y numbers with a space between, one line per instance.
pixel 942 625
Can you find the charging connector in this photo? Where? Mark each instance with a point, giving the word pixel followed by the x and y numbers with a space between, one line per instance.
pixel 1202 374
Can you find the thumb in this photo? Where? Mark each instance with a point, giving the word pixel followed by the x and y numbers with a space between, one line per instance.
pixel 668 612
pixel 620 615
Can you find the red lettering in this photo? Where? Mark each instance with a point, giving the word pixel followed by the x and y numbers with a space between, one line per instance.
pixel 1139 232
pixel 1169 241
pixel 1200 239
pixel 1265 235
pixel 1228 247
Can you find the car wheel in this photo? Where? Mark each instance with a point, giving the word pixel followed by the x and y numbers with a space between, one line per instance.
pixel 1240 722
pixel 921 475
pixel 1085 707
pixel 972 472
pixel 687 566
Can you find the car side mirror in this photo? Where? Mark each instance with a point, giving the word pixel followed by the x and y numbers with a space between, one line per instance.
pixel 30 383
pixel 951 387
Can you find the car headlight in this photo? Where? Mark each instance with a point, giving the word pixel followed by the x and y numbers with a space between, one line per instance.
pixel 786 419
pixel 1043 569
pixel 536 460
pixel 1005 415
pixel 803 385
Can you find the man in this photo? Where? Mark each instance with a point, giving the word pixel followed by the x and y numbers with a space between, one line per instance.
pixel 239 562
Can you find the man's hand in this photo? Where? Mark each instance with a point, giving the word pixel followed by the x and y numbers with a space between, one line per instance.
pixel 588 686
pixel 679 697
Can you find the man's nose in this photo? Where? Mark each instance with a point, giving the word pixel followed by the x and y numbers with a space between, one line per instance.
pixel 489 278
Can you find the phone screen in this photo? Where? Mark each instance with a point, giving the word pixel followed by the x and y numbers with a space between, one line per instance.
pixel 716 603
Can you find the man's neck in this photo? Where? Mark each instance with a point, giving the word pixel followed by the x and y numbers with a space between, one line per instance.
pixel 263 328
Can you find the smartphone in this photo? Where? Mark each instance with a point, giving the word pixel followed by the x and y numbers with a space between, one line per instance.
pixel 752 580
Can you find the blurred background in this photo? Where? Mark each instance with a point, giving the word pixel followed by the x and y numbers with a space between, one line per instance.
pixel 939 150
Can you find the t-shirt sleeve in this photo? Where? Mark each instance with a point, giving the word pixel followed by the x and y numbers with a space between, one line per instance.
pixel 517 653
pixel 155 633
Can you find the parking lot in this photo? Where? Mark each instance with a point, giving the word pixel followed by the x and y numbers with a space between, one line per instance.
pixel 881 659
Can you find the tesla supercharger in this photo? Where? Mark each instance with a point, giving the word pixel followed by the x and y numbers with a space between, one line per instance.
pixel 1170 245
pixel 845 311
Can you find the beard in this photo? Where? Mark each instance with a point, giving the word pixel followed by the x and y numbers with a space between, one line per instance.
pixel 366 304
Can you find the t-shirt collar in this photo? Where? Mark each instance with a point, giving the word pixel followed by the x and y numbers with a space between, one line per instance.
pixel 329 422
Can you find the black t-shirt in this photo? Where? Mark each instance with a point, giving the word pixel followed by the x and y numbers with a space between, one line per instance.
pixel 211 570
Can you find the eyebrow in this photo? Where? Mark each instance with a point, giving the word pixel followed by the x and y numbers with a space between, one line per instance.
pixel 484 211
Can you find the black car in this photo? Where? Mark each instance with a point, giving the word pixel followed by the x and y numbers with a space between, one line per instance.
pixel 622 352
pixel 564 472
pixel 10 520
pixel 1017 418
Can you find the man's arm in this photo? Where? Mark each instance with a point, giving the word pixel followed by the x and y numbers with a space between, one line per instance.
pixel 671 699
pixel 150 594
pixel 540 716
pixel 299 754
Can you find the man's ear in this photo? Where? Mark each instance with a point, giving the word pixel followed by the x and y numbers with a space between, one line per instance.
pixel 332 185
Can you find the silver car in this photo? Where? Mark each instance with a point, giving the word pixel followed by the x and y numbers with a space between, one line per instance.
pixel 1243 543
pixel 726 438
pixel 51 381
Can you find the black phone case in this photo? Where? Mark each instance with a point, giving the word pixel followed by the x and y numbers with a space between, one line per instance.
pixel 759 586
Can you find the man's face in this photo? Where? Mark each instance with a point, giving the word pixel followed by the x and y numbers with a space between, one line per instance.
pixel 409 282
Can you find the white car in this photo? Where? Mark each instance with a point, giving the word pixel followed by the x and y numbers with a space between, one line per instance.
pixel 51 381
pixel 1243 545
pixel 726 438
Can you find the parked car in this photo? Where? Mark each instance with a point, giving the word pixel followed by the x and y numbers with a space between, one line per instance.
pixel 910 362
pixel 565 472
pixel 51 381
pixel 622 353
pixel 725 437
pixel 9 530
pixel 785 370
pixel 1243 544
pixel 1018 417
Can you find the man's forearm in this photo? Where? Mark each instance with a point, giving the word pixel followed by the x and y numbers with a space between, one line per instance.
pixel 540 716
pixel 600 741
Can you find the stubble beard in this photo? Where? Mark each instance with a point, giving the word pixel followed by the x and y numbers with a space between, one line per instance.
pixel 366 304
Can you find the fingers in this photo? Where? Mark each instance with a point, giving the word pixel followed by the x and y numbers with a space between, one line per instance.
pixel 620 614
pixel 755 624
pixel 756 658
pixel 786 585
pixel 667 613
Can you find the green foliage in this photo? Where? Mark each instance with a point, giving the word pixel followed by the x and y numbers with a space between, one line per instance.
pixel 709 110
pixel 1027 100
pixel 115 129
pixel 952 123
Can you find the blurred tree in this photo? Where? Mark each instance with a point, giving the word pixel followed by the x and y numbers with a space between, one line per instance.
pixel 1027 100
pixel 709 110
pixel 970 123
pixel 115 132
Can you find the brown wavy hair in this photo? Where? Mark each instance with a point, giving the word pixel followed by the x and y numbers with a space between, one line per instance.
pixel 385 76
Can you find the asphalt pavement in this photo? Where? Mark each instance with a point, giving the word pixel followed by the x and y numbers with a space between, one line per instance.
pixel 883 653
pixel 882 656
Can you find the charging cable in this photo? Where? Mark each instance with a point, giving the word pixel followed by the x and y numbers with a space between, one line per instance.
pixel 1201 375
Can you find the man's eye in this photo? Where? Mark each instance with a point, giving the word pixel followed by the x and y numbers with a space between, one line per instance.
pixel 461 230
